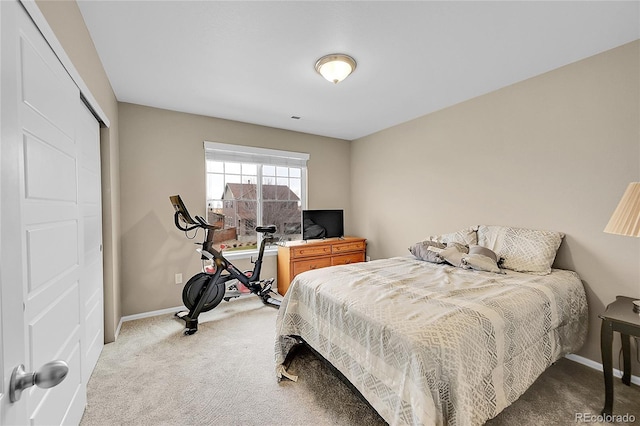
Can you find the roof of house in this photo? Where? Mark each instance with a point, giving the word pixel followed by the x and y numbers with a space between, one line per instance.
pixel 269 192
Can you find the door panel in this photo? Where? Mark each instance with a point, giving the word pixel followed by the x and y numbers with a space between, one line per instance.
pixel 52 245
pixel 42 161
pixel 50 330
pixel 52 250
pixel 50 408
pixel 55 334
pixel 51 287
pixel 90 209
pixel 46 84
pixel 11 273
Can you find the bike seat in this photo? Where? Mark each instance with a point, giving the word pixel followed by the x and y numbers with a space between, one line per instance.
pixel 270 229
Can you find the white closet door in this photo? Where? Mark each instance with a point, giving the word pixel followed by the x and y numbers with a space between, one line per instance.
pixel 51 277
pixel 90 204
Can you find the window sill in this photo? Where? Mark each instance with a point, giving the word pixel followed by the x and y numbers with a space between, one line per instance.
pixel 247 254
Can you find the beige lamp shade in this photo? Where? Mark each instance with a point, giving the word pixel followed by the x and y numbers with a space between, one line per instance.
pixel 626 218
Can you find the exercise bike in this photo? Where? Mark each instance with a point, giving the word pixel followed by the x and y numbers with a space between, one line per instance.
pixel 220 279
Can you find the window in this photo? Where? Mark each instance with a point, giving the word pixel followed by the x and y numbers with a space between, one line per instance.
pixel 249 187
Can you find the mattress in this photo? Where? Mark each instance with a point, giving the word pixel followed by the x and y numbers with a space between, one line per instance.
pixel 433 344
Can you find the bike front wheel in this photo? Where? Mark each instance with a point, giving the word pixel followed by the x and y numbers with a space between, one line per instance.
pixel 195 288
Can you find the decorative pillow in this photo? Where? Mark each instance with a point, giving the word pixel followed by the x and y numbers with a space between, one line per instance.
pixel 452 255
pixel 464 248
pixel 474 257
pixel 428 251
pixel 476 249
pixel 481 259
pixel 523 250
pixel 466 236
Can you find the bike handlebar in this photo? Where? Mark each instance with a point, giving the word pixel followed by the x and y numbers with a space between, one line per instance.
pixel 176 220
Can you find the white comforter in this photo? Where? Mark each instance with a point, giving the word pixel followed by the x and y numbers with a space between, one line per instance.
pixel 433 344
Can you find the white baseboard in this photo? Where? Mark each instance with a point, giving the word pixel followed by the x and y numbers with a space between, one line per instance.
pixel 597 366
pixel 147 315
pixel 153 313
pixel 118 330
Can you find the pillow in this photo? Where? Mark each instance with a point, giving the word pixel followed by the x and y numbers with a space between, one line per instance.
pixel 481 259
pixel 474 257
pixel 459 246
pixel 466 236
pixel 523 250
pixel 476 249
pixel 452 255
pixel 424 250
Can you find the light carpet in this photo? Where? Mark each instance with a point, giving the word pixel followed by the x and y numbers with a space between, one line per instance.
pixel 225 375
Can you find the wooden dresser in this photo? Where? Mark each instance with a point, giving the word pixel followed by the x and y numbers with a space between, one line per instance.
pixel 296 257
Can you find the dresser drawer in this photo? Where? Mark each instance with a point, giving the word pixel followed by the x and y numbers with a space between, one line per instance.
pixel 345 259
pixel 348 246
pixel 307 265
pixel 310 250
pixel 296 257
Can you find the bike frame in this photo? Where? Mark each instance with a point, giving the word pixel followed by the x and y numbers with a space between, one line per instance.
pixel 221 264
pixel 219 260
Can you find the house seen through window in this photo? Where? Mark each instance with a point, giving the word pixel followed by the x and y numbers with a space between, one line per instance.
pixel 249 187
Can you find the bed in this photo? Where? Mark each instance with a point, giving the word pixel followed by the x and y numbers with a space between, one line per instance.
pixel 432 343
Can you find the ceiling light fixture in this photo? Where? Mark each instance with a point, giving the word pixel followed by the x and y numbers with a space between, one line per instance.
pixel 335 67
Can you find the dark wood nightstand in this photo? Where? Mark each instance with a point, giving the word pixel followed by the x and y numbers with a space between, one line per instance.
pixel 619 316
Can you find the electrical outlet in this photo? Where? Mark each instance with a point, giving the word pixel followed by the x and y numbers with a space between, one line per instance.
pixel 367 259
pixel 178 278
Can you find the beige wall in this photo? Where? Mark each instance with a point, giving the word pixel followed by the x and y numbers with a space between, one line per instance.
pixel 67 23
pixel 553 152
pixel 162 154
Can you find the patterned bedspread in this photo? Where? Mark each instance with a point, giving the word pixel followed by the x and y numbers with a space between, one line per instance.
pixel 432 344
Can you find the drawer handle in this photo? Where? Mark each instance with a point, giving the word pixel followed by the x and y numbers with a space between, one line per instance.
pixel 312 267
pixel 324 250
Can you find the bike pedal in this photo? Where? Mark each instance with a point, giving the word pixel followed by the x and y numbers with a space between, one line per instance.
pixel 266 285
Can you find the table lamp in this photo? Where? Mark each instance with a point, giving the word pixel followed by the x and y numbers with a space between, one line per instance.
pixel 626 219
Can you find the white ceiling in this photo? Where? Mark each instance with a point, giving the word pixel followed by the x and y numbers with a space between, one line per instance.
pixel 254 61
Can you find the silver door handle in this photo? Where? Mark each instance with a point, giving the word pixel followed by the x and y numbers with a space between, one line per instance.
pixel 48 376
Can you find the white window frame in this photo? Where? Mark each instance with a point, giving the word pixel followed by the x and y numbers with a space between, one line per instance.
pixel 265 156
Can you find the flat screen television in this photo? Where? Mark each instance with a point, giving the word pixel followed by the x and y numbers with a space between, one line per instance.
pixel 322 224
